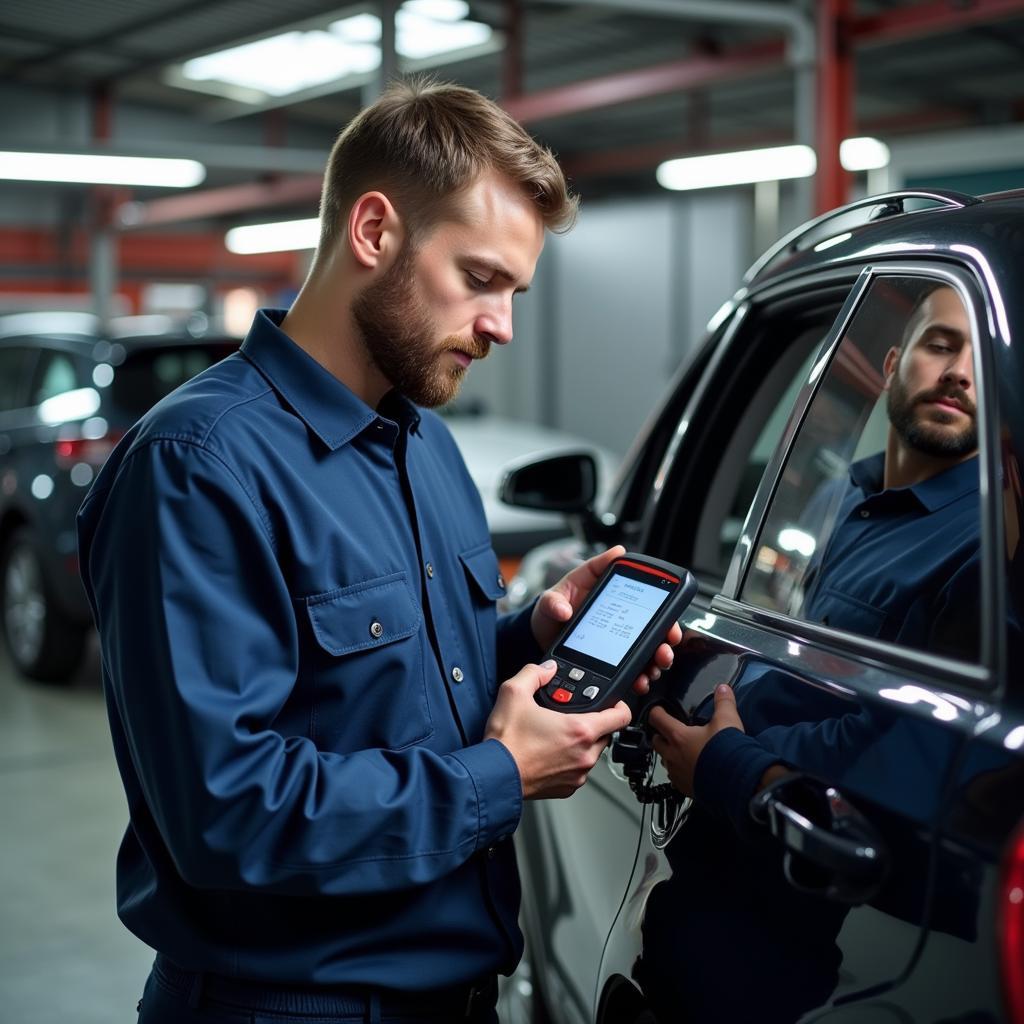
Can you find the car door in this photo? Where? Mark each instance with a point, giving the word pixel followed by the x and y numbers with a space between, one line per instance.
pixel 862 686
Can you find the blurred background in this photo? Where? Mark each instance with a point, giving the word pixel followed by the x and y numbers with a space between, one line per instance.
pixel 159 177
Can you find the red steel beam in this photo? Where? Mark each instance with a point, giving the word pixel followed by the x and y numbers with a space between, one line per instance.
pixel 834 114
pixel 626 86
pixel 215 202
pixel 930 18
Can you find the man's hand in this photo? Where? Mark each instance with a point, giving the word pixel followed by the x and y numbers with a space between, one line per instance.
pixel 555 607
pixel 679 746
pixel 553 751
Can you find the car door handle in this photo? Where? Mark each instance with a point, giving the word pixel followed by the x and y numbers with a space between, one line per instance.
pixel 831 849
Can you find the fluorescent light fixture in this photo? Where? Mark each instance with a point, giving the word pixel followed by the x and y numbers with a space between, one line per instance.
pixel 742 168
pixel 100 169
pixel 299 60
pixel 276 237
pixel 863 154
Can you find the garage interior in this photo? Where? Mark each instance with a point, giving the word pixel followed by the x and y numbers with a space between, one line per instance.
pixel 615 87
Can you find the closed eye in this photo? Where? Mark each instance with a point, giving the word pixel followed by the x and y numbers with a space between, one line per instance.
pixel 477 283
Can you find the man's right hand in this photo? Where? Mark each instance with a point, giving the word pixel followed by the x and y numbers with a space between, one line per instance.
pixel 553 751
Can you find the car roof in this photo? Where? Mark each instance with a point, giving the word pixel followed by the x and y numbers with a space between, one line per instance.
pixel 72 329
pixel 898 224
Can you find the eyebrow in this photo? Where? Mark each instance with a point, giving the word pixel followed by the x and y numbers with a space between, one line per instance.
pixel 497 268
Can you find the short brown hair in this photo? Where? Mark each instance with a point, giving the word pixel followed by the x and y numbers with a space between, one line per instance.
pixel 421 143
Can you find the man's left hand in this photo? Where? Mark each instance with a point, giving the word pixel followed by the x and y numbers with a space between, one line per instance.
pixel 556 607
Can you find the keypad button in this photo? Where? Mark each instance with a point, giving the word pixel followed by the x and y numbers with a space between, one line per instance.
pixel 591 692
pixel 562 695
pixel 576 674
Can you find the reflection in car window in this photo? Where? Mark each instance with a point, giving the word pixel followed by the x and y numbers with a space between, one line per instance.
pixel 12 374
pixel 874 527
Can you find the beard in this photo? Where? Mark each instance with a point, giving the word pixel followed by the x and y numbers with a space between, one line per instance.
pixel 400 338
pixel 930 438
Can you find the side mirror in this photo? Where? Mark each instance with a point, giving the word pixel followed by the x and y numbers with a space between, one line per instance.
pixel 560 483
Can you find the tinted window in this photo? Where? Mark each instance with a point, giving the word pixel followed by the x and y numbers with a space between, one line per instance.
pixel 14 364
pixel 874 526
pixel 148 375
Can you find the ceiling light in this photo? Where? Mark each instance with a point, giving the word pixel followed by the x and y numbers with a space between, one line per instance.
pixel 95 169
pixel 742 168
pixel 276 237
pixel 299 60
pixel 863 154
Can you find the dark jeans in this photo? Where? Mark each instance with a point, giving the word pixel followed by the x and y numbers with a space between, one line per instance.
pixel 173 996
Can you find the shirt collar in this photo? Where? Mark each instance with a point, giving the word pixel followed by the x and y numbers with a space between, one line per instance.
pixel 933 493
pixel 329 408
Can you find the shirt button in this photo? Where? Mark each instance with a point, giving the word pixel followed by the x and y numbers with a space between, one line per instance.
pixel 430 570
pixel 501 581
pixel 376 630
pixel 864 513
pixel 491 852
pixel 457 674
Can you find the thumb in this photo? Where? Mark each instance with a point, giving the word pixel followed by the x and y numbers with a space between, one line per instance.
pixel 725 715
pixel 537 676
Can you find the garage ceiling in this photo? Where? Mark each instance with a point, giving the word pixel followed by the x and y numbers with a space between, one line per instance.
pixel 944 71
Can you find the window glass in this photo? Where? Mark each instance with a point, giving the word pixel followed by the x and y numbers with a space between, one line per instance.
pixel 13 362
pixel 54 376
pixel 874 527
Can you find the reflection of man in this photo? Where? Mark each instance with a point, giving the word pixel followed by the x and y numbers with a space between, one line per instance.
pixel 902 561
pixel 881 572
pixel 295 589
pixel 901 564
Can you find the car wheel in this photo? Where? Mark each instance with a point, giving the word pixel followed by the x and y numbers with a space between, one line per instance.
pixel 42 641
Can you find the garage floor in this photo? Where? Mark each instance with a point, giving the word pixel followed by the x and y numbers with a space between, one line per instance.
pixel 64 956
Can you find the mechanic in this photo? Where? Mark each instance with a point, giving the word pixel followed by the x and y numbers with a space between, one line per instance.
pixel 295 591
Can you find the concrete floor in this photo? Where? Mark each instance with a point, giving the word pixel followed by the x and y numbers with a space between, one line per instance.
pixel 64 956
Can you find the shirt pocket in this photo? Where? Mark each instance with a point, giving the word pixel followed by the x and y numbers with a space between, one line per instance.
pixel 486 585
pixel 843 611
pixel 368 666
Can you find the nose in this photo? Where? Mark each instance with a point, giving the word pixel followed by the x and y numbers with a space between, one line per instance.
pixel 960 370
pixel 495 323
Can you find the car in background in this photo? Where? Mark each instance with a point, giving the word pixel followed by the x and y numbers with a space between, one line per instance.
pixel 69 390
pixel 880 878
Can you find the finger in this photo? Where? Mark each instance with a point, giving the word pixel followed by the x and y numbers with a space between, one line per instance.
pixel 642 685
pixel 725 713
pixel 654 674
pixel 664 656
pixel 555 606
pixel 664 723
pixel 675 634
pixel 611 719
pixel 584 576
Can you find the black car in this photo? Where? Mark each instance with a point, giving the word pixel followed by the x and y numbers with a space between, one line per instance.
pixel 68 392
pixel 879 875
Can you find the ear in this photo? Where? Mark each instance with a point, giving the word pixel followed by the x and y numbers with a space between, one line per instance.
pixel 374 230
pixel 889 366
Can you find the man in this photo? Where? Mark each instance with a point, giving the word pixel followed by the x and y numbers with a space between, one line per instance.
pixel 294 586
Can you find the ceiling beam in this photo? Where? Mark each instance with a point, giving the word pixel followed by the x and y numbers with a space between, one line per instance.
pixel 930 18
pixel 657 80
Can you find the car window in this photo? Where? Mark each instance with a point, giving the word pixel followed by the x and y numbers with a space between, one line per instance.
pixel 14 363
pixel 874 527
pixel 54 376
pixel 147 375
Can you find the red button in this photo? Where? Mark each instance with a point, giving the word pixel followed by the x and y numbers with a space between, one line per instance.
pixel 562 696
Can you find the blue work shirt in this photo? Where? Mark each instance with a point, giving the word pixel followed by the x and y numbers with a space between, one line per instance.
pixel 295 596
pixel 902 564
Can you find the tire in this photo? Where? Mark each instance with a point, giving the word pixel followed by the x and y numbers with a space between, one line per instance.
pixel 43 643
